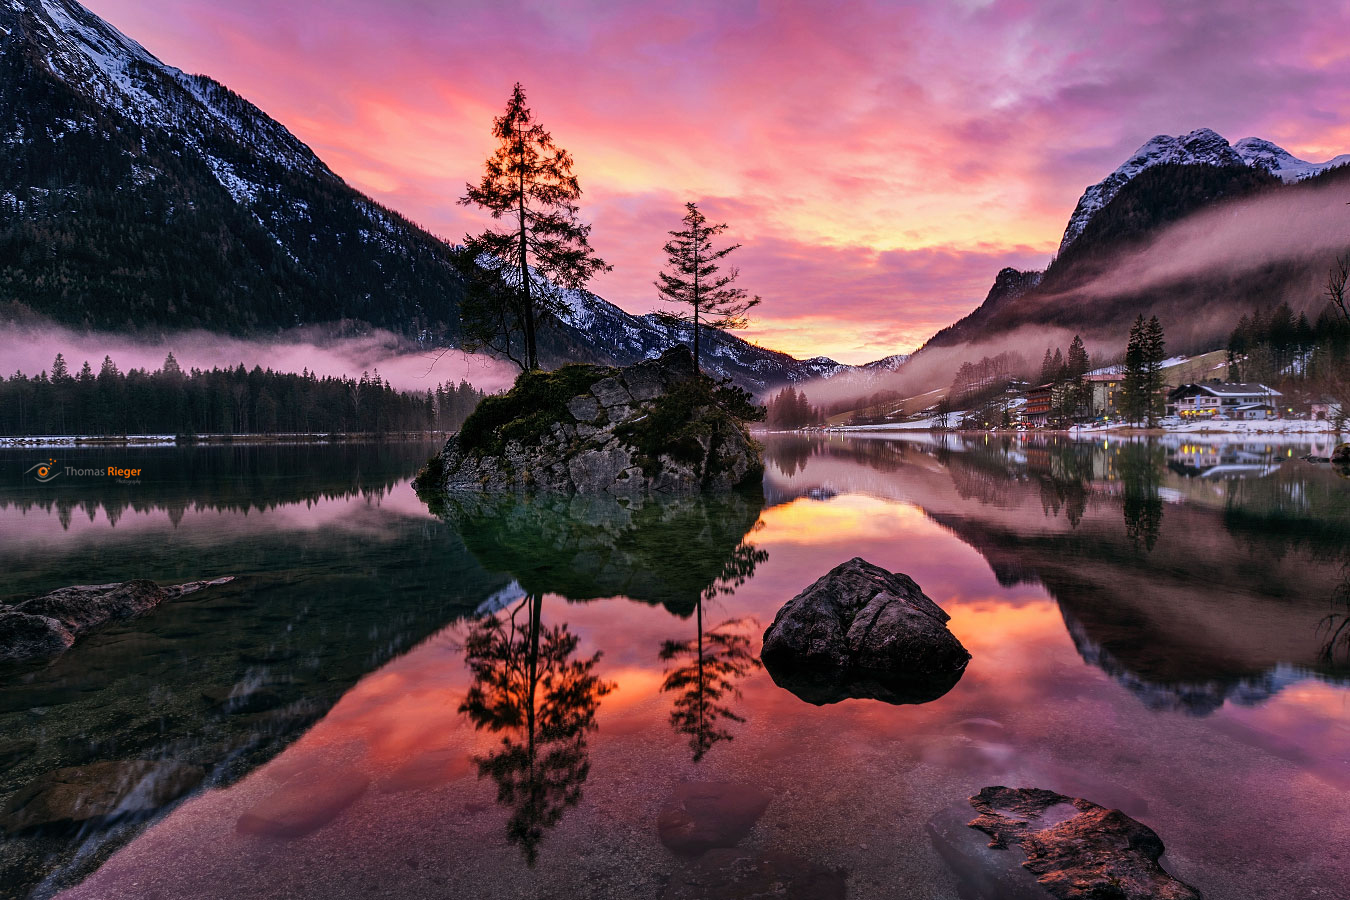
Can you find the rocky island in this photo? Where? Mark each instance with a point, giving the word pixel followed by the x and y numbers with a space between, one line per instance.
pixel 655 427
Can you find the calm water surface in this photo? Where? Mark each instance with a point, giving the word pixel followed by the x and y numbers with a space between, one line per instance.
pixel 497 698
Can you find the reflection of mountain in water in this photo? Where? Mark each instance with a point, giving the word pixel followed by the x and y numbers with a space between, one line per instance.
pixel 659 550
pixel 225 679
pixel 1220 594
pixel 1195 697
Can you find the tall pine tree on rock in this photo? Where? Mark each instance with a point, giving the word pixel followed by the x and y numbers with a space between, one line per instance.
pixel 695 282
pixel 517 275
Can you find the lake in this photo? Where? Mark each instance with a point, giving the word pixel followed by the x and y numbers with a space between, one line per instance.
pixel 502 697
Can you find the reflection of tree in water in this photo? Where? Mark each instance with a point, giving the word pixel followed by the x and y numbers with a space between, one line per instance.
pixel 527 686
pixel 1064 470
pixel 709 664
pixel 1336 648
pixel 1140 466
pixel 790 453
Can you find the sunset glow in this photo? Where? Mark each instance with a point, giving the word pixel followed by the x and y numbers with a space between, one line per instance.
pixel 880 162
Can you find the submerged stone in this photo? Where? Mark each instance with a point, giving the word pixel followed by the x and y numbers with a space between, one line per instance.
pixel 702 815
pixel 96 793
pixel 862 632
pixel 303 804
pixel 733 874
pixel 49 625
pixel 1076 849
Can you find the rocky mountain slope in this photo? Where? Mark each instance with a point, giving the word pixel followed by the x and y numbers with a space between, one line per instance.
pixel 136 197
pixel 1166 243
pixel 1202 147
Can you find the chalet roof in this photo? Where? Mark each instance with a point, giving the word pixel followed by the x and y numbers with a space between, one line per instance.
pixel 1227 389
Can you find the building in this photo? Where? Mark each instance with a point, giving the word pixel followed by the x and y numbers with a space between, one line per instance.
pixel 1326 409
pixel 1206 399
pixel 1040 400
pixel 1105 391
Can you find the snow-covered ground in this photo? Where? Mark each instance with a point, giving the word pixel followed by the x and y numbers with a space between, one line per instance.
pixel 1210 426
pixel 1268 426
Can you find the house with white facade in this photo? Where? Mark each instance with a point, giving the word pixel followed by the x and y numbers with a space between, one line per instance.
pixel 1207 399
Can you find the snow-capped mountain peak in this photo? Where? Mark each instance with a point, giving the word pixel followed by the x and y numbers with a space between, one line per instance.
pixel 1279 162
pixel 1202 146
pixel 110 68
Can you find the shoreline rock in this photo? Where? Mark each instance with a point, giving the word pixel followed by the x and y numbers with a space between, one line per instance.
pixel 1076 849
pixel 49 625
pixel 863 632
pixel 654 427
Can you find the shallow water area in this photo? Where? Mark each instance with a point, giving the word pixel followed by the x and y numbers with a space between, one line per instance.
pixel 547 697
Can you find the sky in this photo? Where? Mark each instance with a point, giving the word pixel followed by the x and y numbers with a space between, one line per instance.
pixel 879 162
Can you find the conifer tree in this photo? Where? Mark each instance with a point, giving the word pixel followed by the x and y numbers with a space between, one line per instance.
pixel 1132 388
pixel 60 372
pixel 544 251
pixel 1154 351
pixel 1077 365
pixel 695 279
pixel 1078 358
pixel 1047 368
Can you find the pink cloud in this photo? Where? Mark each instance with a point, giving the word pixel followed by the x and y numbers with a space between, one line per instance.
pixel 879 161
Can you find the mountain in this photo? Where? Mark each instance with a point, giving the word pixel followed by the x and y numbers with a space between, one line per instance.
pixel 135 197
pixel 1201 147
pixel 1195 231
pixel 1280 162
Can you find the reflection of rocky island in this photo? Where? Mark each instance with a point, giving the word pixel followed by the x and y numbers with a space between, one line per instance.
pixel 528 688
pixel 1231 601
pixel 654 549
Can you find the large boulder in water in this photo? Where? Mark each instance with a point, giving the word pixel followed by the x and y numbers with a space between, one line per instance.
pixel 863 632
pixel 1076 849
pixel 657 426
pixel 49 625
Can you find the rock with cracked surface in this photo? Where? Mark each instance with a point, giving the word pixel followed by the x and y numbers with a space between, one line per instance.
pixel 863 632
pixel 654 427
pixel 1076 849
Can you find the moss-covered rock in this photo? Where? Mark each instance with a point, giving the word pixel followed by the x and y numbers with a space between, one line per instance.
pixel 657 426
